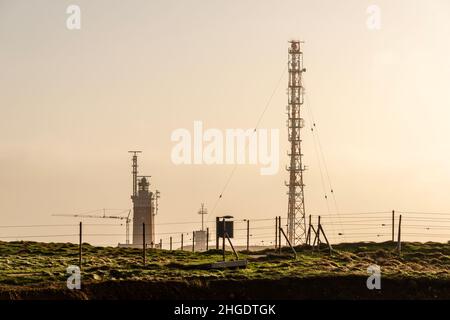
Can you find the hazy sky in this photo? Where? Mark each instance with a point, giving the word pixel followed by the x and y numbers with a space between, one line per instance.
pixel 73 102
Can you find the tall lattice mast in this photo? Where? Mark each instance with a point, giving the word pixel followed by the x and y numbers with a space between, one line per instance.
pixel 296 226
pixel 135 171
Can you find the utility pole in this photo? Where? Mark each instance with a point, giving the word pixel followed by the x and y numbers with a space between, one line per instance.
pixel 296 227
pixel 202 212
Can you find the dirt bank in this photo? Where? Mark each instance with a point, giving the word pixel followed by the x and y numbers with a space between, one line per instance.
pixel 344 287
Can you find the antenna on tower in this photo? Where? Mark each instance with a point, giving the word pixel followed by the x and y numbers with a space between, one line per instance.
pixel 202 211
pixel 296 203
pixel 135 171
pixel 156 197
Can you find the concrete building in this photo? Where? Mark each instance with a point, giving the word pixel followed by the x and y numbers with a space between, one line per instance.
pixel 200 240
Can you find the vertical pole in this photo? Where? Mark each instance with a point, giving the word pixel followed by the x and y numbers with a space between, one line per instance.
pixel 207 239
pixel 248 236
pixel 127 232
pixel 202 217
pixel 80 249
pixel 279 233
pixel 143 243
pixel 309 231
pixel 193 241
pixel 286 238
pixel 223 239
pixel 276 232
pixel 170 243
pixel 182 236
pixel 217 233
pixel 160 244
pixel 393 225
pixel 318 233
pixel 399 241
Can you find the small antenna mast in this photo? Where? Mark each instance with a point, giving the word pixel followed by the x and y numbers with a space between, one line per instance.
pixel 203 211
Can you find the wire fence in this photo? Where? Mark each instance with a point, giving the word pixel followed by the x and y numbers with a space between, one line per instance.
pixel 256 233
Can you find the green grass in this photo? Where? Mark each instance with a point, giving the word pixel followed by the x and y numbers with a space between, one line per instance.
pixel 33 263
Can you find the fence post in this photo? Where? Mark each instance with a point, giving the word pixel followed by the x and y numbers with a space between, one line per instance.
pixel 393 224
pixel 143 243
pixel 399 242
pixel 248 236
pixel 80 248
pixel 223 240
pixel 207 239
pixel 318 233
pixel 289 243
pixel 182 236
pixel 217 234
pixel 279 233
pixel 232 247
pixel 171 243
pixel 309 231
pixel 193 241
pixel 276 232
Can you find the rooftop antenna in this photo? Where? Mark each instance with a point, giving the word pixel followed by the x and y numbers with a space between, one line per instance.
pixel 202 211
pixel 135 171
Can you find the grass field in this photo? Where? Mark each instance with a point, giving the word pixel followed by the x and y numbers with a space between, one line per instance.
pixel 38 270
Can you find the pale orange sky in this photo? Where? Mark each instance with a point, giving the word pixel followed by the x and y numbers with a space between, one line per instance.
pixel 74 102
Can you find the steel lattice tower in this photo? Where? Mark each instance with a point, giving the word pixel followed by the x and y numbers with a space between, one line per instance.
pixel 296 226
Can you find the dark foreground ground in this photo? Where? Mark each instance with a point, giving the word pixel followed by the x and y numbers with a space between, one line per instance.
pixel 341 287
pixel 30 270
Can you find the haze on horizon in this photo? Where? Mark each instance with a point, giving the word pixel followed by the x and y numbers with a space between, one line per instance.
pixel 74 102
